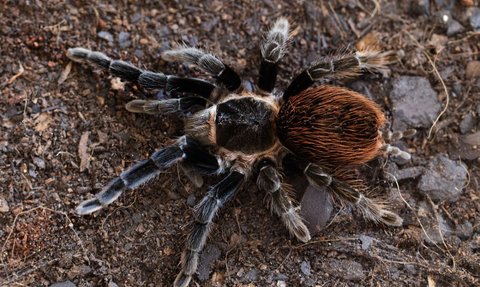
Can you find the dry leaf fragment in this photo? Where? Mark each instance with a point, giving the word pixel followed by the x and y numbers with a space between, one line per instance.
pixel 42 122
pixel 65 73
pixel 473 70
pixel 82 152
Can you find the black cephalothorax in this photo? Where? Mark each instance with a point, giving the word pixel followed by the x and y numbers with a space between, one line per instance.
pixel 240 135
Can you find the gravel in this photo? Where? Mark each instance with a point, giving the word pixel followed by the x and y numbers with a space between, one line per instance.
pixel 306 268
pixel 467 124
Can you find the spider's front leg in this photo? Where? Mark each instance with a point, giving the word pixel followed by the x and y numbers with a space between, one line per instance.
pixel 273 49
pixel 370 208
pixel 185 149
pixel 205 211
pixel 270 180
pixel 146 79
pixel 207 62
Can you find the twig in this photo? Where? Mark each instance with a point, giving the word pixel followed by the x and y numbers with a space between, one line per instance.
pixel 20 72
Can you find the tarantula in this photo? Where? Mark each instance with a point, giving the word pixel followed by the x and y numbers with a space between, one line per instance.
pixel 330 130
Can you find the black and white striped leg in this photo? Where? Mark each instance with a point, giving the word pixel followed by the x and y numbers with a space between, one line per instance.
pixel 205 211
pixel 273 49
pixel 207 62
pixel 146 79
pixel 185 149
pixel 343 65
pixel 371 209
pixel 168 106
pixel 282 203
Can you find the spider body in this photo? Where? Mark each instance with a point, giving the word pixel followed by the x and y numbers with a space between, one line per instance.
pixel 241 134
pixel 331 126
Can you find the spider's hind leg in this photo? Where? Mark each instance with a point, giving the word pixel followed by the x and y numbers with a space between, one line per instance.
pixel 370 208
pixel 338 66
pixel 392 137
pixel 282 203
pixel 205 212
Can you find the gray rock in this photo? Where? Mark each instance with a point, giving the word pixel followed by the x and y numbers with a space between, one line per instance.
pixel 454 27
pixel 251 275
pixel 464 231
pixel 443 179
pixel 191 200
pixel 40 163
pixel 405 173
pixel 123 39
pixel 64 284
pixel 474 18
pixel 467 123
pixel 345 269
pixel 414 102
pixel 420 7
pixel 366 241
pixel 306 268
pixel 105 36
pixel 280 277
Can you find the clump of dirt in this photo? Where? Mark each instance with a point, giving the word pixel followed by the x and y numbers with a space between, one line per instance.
pixel 64 133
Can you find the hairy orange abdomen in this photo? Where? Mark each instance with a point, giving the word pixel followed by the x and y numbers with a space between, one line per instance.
pixel 331 126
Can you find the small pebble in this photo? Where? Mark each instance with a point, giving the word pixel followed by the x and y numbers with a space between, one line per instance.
pixel 123 40
pixel 305 268
pixel 366 241
pixel 454 27
pixel 251 275
pixel 4 205
pixel 40 163
pixel 420 7
pixel 105 36
pixel 191 200
pixel 474 18
pixel 464 231
pixel 467 124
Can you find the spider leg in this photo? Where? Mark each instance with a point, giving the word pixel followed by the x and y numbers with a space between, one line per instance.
pixel 167 106
pixel 371 209
pixel 338 66
pixel 205 211
pixel 146 79
pixel 185 149
pixel 208 63
pixel 392 137
pixel 273 49
pixel 282 203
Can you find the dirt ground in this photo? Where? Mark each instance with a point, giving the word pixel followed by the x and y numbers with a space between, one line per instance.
pixel 64 134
